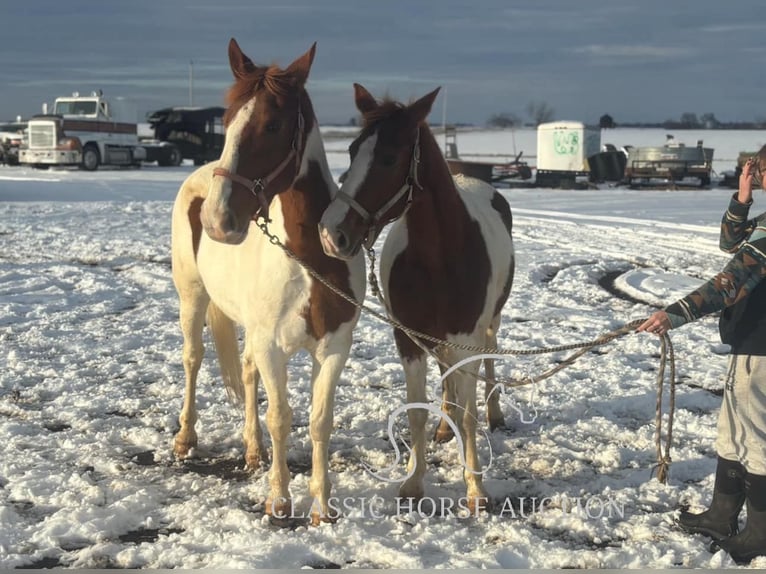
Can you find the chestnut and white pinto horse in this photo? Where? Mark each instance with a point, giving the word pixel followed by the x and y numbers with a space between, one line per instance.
pixel 446 266
pixel 226 271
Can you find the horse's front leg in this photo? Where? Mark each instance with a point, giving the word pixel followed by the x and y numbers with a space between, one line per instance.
pixel 327 370
pixel 273 368
pixel 193 302
pixel 415 370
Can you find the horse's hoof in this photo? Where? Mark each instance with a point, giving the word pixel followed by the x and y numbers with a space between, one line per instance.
pixel 410 495
pixel 279 509
pixel 318 517
pixel 443 434
pixel 478 504
pixel 496 424
pixel 182 447
pixel 256 461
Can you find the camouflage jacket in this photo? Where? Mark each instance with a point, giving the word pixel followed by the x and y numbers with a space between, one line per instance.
pixel 746 238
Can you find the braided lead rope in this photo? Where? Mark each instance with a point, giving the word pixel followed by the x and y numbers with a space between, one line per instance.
pixel 663 458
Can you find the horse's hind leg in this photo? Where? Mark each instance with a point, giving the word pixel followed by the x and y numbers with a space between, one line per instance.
pixel 255 452
pixel 443 431
pixel 495 417
pixel 466 419
pixel 193 302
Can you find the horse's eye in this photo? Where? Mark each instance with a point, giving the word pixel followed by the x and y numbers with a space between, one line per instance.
pixel 388 160
pixel 273 127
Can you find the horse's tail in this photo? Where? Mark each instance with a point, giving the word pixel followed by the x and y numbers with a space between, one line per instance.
pixel 227 348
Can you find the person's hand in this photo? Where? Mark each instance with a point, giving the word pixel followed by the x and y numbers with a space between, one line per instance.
pixel 746 181
pixel 658 324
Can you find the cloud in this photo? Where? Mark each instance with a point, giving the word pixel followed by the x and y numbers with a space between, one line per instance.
pixel 733 28
pixel 636 51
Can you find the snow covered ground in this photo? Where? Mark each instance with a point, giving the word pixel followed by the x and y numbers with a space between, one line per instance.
pixel 91 384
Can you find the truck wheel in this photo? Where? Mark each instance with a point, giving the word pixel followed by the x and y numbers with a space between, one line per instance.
pixel 174 157
pixel 90 158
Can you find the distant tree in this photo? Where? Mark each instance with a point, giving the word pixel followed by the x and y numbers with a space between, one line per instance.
pixel 539 112
pixel 689 120
pixel 709 121
pixel 503 120
pixel 606 122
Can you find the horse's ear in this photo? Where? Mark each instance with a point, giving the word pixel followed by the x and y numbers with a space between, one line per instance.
pixel 365 102
pixel 419 110
pixel 301 67
pixel 240 64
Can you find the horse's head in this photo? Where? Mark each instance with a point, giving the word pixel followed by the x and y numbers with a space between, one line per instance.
pixel 264 140
pixel 379 185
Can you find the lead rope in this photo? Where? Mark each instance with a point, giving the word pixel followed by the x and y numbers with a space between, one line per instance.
pixel 666 354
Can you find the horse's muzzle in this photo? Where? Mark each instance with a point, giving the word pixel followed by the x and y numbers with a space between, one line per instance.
pixel 335 244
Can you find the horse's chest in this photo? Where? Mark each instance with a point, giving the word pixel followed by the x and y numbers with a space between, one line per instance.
pixel 256 285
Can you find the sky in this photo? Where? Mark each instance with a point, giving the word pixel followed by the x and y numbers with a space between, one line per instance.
pixel 638 61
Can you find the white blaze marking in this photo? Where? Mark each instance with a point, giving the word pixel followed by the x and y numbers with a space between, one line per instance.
pixel 219 194
pixel 356 175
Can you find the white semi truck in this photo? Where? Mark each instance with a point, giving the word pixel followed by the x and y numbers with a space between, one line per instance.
pixel 89 131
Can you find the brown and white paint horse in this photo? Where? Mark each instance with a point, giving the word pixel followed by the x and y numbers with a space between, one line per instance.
pixel 226 270
pixel 446 266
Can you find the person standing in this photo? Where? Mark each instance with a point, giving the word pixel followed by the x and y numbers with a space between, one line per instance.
pixel 739 292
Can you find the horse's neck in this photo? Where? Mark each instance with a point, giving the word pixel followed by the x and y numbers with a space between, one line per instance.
pixel 314 153
pixel 311 191
pixel 436 220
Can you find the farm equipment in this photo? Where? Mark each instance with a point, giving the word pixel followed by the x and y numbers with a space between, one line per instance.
pixel 731 178
pixel 673 162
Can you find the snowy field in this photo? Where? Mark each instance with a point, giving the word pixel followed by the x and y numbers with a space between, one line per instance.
pixel 91 385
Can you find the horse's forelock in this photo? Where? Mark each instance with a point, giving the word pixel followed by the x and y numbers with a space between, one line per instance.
pixel 384 111
pixel 273 79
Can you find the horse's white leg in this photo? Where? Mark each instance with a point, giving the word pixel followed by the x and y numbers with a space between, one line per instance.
pixel 415 371
pixel 193 302
pixel 495 417
pixel 272 364
pixel 327 370
pixel 465 386
pixel 252 436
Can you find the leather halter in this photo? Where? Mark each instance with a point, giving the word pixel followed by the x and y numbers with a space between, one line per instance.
pixel 258 185
pixel 372 221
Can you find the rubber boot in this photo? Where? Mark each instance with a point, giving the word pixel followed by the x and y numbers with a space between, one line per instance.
pixel 751 542
pixel 720 520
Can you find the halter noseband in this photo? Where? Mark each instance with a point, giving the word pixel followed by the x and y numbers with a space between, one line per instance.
pixel 372 221
pixel 258 185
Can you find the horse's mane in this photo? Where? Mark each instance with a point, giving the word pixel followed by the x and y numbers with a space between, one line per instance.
pixel 273 79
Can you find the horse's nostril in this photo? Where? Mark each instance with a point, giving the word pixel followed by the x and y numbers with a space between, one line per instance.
pixel 340 240
pixel 231 223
